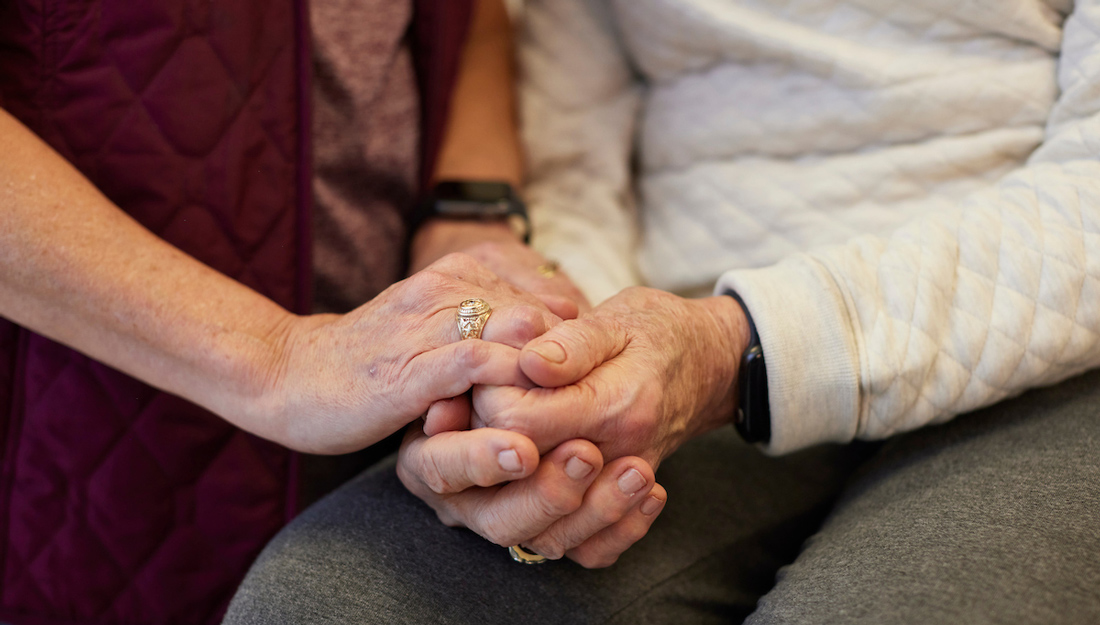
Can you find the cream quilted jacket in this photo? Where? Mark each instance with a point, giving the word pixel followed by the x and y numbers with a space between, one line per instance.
pixel 905 193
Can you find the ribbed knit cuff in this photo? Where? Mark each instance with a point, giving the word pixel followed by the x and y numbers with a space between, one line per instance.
pixel 809 349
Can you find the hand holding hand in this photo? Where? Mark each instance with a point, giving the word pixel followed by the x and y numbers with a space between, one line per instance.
pixel 641 374
pixel 638 376
pixel 492 481
pixel 343 382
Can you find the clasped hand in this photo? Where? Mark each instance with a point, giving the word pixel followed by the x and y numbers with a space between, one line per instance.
pixel 561 457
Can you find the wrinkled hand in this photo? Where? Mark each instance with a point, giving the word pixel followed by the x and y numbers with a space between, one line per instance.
pixel 493 482
pixel 496 247
pixel 567 504
pixel 641 374
pixel 519 265
pixel 343 382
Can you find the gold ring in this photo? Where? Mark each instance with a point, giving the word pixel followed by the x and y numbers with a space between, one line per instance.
pixel 471 317
pixel 549 269
pixel 519 554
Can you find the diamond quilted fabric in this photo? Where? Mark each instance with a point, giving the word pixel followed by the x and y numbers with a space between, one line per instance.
pixel 123 504
pixel 904 193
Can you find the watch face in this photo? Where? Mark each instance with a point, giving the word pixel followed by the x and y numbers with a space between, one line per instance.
pixel 472 191
pixel 464 199
pixel 486 200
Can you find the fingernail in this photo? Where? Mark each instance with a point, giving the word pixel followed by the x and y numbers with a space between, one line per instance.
pixel 577 469
pixel 509 461
pixel 631 482
pixel 651 505
pixel 551 351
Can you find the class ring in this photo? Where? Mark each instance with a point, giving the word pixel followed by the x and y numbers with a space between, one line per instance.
pixel 471 317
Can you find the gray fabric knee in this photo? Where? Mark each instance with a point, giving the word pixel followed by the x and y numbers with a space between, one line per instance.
pixel 992 518
pixel 373 553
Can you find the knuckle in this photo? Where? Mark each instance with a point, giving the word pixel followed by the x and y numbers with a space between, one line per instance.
pixel 636 294
pixel 650 396
pixel 609 515
pixel 633 533
pixel 591 558
pixel 499 533
pixel 446 518
pixel 427 285
pixel 553 502
pixel 566 539
pixel 454 260
pixel 628 532
pixel 493 534
pixel 645 295
pixel 466 267
pixel 634 424
pixel 547 547
pixel 430 278
pixel 527 323
pixel 458 269
pixel 474 354
pixel 432 475
pixel 480 466
pixel 603 561
pixel 505 418
pixel 487 403
pixel 478 474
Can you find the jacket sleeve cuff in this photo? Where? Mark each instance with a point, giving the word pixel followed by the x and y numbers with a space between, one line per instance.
pixel 810 351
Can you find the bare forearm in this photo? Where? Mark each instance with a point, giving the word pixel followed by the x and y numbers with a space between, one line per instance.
pixel 77 269
pixel 482 141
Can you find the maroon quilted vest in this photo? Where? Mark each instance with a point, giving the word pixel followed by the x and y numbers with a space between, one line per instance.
pixel 120 503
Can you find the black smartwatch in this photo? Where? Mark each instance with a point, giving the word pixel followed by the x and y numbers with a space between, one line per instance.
pixel 754 418
pixel 475 200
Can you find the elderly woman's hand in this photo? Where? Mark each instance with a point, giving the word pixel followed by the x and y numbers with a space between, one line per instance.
pixel 641 374
pixel 342 382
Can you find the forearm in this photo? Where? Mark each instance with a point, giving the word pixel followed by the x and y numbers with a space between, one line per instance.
pixel 77 269
pixel 482 140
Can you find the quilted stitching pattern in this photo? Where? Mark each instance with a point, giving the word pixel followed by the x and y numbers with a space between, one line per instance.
pixel 938 157
pixel 130 505
pixel 912 111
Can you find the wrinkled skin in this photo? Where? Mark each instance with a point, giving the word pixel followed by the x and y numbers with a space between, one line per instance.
pixel 343 382
pixel 573 504
pixel 641 374
pixel 635 378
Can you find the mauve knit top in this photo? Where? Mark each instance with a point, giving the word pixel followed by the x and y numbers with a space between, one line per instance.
pixel 366 137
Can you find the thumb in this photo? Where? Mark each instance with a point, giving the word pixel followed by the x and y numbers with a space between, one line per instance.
pixel 451 462
pixel 571 350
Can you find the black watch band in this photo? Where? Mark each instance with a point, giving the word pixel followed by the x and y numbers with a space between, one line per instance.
pixel 753 419
pixel 474 200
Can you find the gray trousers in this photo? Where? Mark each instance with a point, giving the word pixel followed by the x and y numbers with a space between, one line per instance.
pixel 992 518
